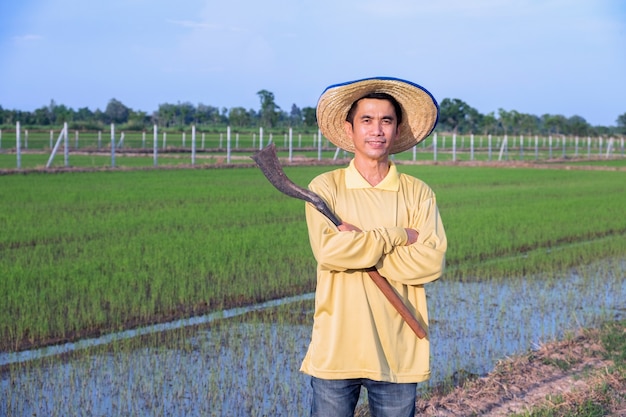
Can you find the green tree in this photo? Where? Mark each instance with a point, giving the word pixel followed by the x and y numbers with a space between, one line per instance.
pixel 166 115
pixel 116 112
pixel 528 123
pixel 309 116
pixel 621 124
pixel 489 124
pixel 456 115
pixel 238 117
pixel 186 113
pixel 254 117
pixel 295 117
pixel 554 124
pixel 269 109
pixel 83 114
pixel 577 126
pixel 41 116
pixel 138 120
pixel 472 122
pixel 208 114
pixel 61 113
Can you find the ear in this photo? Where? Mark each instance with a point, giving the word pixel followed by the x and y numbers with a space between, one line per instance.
pixel 347 126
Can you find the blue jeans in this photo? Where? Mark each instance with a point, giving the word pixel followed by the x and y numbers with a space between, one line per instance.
pixel 338 398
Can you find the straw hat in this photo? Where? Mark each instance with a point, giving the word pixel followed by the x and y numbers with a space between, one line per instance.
pixel 420 110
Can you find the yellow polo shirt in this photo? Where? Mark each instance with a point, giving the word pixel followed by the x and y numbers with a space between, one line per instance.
pixel 357 333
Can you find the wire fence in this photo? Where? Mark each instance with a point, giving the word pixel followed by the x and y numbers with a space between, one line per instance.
pixel 38 149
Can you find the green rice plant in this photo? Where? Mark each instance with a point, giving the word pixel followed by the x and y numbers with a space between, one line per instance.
pixel 87 253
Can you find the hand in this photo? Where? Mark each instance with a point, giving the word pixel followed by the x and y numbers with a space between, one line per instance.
pixel 412 236
pixel 347 227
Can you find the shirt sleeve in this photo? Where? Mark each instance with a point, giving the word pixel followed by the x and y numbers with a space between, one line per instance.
pixel 423 261
pixel 341 251
pixel 382 247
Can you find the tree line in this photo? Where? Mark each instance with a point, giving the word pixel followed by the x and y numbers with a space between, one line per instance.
pixel 456 116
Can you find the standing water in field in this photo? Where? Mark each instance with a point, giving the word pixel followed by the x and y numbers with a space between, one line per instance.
pixel 248 365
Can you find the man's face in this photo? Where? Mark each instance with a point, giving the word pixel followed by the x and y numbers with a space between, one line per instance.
pixel 374 129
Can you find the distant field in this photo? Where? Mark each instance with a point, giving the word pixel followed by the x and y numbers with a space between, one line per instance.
pixel 92 252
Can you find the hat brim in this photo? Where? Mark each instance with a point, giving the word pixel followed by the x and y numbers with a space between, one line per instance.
pixel 420 110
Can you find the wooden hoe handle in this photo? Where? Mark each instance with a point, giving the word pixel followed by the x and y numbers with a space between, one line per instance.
pixel 397 302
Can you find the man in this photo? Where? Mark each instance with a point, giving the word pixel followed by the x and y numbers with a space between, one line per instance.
pixel 390 221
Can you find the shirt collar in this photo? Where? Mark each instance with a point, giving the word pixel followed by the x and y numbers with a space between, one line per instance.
pixel 391 182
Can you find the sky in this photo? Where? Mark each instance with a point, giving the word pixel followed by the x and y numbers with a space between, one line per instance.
pixel 565 57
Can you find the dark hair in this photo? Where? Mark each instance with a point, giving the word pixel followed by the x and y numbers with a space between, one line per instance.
pixel 378 96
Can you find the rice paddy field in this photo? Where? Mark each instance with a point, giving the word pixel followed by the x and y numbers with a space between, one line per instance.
pixel 86 255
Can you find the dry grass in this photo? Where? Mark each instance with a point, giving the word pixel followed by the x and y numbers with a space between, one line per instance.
pixel 561 377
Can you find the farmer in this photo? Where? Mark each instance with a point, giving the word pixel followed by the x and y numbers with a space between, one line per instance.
pixel 390 221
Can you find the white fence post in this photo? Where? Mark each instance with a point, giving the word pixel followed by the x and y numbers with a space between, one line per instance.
pixel 18 145
pixel 193 144
pixel 550 147
pixel 155 145
pixel 453 147
pixel 536 147
pixel 56 146
pixel 290 144
pixel 112 145
pixel 609 147
pixel 260 138
pixel 66 146
pixel 503 148
pixel 228 144
pixel 319 145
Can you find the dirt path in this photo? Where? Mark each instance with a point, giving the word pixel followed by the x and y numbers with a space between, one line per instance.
pixel 563 375
pixel 566 373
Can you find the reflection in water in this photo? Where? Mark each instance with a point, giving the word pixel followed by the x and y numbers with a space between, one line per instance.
pixel 248 365
pixel 16 357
